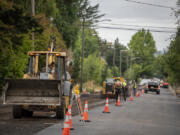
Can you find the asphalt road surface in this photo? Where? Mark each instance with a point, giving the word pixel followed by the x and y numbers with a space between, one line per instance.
pixel 150 114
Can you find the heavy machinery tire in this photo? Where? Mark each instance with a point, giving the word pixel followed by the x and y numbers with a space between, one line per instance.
pixel 158 92
pixel 27 113
pixel 60 112
pixel 17 111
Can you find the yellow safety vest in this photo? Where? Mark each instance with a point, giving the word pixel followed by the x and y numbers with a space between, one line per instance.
pixel 124 83
pixel 76 90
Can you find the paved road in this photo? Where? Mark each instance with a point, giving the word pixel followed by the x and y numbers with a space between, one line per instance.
pixel 148 115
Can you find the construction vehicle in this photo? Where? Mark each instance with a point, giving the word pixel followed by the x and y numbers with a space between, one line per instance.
pixel 109 86
pixel 41 89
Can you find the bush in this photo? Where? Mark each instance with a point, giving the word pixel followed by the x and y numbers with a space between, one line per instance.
pixel 93 68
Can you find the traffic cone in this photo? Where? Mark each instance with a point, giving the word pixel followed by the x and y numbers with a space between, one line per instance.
pixel 106 109
pixel 66 129
pixel 131 98
pixel 70 117
pixel 137 93
pixel 85 114
pixel 118 101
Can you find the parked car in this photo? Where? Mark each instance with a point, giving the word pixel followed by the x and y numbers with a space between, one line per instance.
pixel 152 86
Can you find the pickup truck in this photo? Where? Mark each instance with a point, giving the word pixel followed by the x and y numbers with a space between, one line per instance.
pixel 153 87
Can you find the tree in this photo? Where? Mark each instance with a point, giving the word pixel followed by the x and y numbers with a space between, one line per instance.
pixel 172 56
pixel 91 15
pixel 93 68
pixel 15 40
pixel 109 57
pixel 92 43
pixel 172 60
pixel 142 49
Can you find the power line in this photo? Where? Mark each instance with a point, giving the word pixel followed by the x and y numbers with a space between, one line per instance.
pixel 133 29
pixel 150 4
pixel 157 27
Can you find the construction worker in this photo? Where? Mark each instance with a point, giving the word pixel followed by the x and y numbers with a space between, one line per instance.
pixel 124 90
pixel 118 87
pixel 51 68
pixel 134 87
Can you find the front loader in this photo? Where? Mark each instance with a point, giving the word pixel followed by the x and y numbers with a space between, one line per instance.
pixel 42 88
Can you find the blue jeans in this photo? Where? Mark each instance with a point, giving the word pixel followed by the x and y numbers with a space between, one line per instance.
pixel 134 89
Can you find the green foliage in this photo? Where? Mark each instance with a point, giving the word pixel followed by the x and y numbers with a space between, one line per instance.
pixel 64 14
pixel 116 71
pixel 93 68
pixel 15 41
pixel 89 13
pixel 67 20
pixel 106 73
pixel 172 60
pixel 108 54
pixel 91 42
pixel 142 48
pixel 158 67
pixel 77 60
pixel 91 47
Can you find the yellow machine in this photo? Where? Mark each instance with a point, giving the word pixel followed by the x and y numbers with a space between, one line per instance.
pixel 44 88
pixel 121 79
pixel 109 86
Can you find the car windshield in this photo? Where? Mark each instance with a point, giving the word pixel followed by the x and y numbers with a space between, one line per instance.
pixel 152 83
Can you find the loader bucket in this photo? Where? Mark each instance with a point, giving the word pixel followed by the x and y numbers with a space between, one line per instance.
pixel 32 92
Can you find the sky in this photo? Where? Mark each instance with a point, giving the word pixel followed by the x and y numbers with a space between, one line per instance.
pixel 121 13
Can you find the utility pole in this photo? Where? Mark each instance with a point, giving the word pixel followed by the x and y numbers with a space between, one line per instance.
pixel 33 14
pixel 131 66
pixel 82 54
pixel 114 55
pixel 127 61
pixel 120 63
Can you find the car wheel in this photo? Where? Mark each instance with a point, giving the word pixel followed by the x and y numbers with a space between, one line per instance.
pixel 146 91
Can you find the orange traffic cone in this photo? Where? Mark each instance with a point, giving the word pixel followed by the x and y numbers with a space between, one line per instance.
pixel 70 117
pixel 106 109
pixel 85 114
pixel 137 93
pixel 118 101
pixel 131 98
pixel 66 129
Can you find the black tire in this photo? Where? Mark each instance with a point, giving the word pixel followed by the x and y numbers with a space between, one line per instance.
pixel 146 91
pixel 158 92
pixel 27 113
pixel 17 111
pixel 60 112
